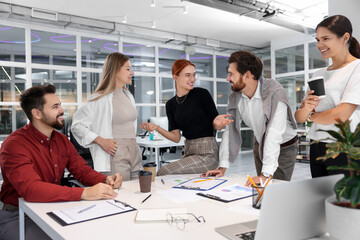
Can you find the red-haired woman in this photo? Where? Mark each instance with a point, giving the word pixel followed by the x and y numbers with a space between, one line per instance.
pixel 193 111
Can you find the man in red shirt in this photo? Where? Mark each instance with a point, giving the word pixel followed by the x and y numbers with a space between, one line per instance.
pixel 33 160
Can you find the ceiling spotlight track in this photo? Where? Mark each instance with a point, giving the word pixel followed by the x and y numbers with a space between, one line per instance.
pixel 258 10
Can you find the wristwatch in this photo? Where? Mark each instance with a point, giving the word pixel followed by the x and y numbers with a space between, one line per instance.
pixel 308 118
pixel 267 175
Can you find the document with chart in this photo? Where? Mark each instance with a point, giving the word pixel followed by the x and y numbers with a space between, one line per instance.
pixel 228 194
pixel 201 184
pixel 90 211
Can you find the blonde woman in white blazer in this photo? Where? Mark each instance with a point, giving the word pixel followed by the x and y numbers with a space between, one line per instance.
pixel 107 122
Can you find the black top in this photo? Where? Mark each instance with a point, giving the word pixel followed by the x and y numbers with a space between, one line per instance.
pixel 193 114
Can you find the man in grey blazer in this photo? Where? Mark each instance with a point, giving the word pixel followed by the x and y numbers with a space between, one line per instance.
pixel 263 106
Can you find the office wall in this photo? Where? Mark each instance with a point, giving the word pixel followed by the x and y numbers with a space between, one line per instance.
pixel 350 9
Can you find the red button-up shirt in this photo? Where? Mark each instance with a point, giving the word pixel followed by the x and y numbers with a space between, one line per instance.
pixel 32 166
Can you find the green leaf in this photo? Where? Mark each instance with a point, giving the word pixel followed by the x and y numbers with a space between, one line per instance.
pixel 334 134
pixel 340 188
pixel 354 165
pixel 354 153
pixel 355 139
pixel 355 195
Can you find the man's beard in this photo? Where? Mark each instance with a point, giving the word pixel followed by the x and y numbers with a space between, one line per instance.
pixel 53 123
pixel 238 86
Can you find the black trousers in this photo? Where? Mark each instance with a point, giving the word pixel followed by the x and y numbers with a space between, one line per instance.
pixel 319 167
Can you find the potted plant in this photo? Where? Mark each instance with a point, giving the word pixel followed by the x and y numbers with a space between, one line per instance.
pixel 343 212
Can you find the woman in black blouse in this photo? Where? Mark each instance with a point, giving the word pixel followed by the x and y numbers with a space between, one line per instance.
pixel 191 110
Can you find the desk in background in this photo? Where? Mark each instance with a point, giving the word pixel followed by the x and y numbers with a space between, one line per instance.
pixel 157 144
pixel 122 226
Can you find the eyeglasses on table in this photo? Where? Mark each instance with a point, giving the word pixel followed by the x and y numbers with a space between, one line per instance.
pixel 180 221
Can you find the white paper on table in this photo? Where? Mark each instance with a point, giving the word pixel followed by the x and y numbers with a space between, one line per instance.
pixel 230 193
pixel 201 183
pixel 91 211
pixel 175 179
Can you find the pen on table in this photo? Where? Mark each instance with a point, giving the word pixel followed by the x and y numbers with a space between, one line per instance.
pixel 253 183
pixel 162 180
pixel 85 209
pixel 203 180
pixel 145 199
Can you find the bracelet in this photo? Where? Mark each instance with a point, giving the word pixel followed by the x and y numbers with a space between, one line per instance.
pixel 308 118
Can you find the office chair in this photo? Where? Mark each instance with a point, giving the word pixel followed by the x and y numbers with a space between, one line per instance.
pixel 69 180
pixel 83 152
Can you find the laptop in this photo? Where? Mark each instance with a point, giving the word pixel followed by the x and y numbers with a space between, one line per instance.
pixel 289 210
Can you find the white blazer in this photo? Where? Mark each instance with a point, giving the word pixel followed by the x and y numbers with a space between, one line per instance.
pixel 94 119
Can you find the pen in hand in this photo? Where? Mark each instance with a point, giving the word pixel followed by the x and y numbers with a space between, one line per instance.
pixel 145 199
pixel 85 209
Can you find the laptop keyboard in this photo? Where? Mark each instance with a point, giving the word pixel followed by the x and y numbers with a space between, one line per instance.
pixel 246 236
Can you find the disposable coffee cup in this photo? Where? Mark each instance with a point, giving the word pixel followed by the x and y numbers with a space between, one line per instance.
pixel 151 136
pixel 257 197
pixel 151 167
pixel 145 181
pixel 317 84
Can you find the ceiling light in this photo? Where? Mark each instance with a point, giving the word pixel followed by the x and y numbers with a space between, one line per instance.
pixel 124 19
pixel 152 4
pixel 150 92
pixel 186 10
pixel 153 25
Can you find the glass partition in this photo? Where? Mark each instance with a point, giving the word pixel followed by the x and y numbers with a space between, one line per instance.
pixel 12 83
pixel 315 59
pixel 222 66
pixel 289 59
pixel 94 51
pixel 144 89
pixel 167 89
pixel 167 57
pixel 209 85
pixel 53 48
pixel 142 57
pixel 223 92
pixel 12 44
pixel 203 64
pixel 64 81
pixel 90 81
pixel 295 90
pixel 144 114
pixel 6 117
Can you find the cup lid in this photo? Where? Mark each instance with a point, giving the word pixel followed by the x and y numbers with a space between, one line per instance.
pixel 145 173
pixel 150 164
pixel 315 78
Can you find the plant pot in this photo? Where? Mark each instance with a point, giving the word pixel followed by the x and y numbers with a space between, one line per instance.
pixel 342 223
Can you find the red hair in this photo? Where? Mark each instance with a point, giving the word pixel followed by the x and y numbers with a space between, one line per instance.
pixel 179 65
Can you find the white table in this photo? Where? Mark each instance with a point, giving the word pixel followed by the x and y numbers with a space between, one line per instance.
pixel 122 226
pixel 157 144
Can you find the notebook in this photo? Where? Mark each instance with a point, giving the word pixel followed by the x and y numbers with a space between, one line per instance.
pixel 290 210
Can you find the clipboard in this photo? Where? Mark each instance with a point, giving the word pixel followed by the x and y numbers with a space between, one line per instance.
pixel 228 194
pixel 89 212
pixel 201 184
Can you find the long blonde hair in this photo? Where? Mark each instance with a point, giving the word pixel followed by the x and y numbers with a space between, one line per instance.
pixel 112 65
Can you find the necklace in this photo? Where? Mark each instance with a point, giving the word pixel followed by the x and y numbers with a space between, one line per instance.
pixel 180 100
